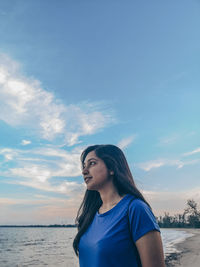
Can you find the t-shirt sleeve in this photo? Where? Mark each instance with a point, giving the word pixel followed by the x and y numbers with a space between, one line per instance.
pixel 141 219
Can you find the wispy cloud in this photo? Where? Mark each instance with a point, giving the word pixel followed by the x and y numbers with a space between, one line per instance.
pixel 171 201
pixel 158 163
pixel 23 102
pixel 25 142
pixel 124 143
pixel 49 210
pixel 43 209
pixel 195 151
pixel 168 140
pixel 8 154
pixel 153 164
pixel 38 167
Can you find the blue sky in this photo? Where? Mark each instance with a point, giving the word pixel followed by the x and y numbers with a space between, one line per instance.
pixel 75 73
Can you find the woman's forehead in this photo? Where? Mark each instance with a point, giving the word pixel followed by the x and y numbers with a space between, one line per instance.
pixel 90 155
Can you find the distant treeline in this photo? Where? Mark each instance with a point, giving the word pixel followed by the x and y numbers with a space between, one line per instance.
pixel 189 219
pixel 51 225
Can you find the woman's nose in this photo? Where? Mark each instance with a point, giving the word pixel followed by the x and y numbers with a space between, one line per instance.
pixel 85 171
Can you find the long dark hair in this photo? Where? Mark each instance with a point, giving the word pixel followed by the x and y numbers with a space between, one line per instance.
pixel 114 160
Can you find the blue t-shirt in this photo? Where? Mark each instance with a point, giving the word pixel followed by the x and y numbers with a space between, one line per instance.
pixel 110 238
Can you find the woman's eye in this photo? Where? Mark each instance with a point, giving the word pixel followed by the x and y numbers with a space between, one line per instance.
pixel 92 162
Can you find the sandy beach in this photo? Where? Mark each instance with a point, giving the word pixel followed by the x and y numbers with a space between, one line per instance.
pixel 189 251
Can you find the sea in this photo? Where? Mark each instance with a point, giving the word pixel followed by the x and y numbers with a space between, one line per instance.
pixel 52 247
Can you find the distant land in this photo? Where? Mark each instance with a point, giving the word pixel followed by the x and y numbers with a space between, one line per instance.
pixel 51 225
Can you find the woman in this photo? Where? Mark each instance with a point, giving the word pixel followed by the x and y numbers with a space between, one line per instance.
pixel 116 226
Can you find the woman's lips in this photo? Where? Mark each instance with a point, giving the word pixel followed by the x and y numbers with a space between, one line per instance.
pixel 87 179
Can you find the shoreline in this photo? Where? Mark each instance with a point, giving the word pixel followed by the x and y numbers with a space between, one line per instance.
pixel 188 251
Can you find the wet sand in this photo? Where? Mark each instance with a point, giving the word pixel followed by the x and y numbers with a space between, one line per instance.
pixel 189 251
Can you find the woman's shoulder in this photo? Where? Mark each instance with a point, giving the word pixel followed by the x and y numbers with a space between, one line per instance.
pixel 137 204
pixel 134 200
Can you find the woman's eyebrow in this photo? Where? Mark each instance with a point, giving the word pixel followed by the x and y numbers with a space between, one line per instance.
pixel 90 160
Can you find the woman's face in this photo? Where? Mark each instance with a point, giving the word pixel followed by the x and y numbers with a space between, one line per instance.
pixel 95 172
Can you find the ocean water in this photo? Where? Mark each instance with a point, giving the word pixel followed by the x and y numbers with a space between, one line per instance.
pixel 171 237
pixel 52 247
pixel 39 247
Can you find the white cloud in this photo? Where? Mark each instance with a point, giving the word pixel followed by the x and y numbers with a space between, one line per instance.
pixel 169 201
pixel 23 102
pixel 85 119
pixel 43 209
pixel 168 140
pixel 38 167
pixel 197 150
pixel 153 164
pixel 46 209
pixel 25 142
pixel 124 143
pixel 8 153
pixel 32 172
